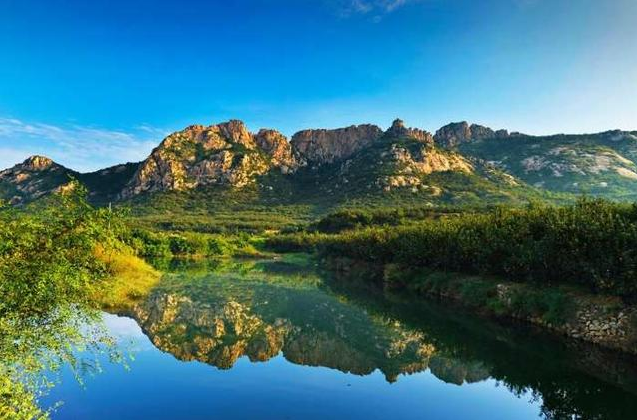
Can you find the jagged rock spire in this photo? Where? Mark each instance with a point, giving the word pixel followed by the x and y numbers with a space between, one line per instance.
pixel 398 129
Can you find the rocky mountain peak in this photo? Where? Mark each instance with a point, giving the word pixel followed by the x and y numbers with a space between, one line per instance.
pixel 223 154
pixel 276 146
pixel 37 163
pixel 236 132
pixel 397 125
pixel 454 134
pixel 398 129
pixel 35 177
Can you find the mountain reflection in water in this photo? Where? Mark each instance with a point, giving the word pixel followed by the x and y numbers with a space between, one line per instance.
pixel 218 318
pixel 437 360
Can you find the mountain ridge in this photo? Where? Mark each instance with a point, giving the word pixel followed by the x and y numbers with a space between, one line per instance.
pixel 229 155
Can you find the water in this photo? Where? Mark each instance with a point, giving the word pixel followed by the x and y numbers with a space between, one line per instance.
pixel 279 340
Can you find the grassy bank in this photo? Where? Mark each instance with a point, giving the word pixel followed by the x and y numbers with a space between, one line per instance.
pixel 129 279
pixel 590 244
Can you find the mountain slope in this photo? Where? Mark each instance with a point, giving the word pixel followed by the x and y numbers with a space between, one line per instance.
pixel 222 154
pixel 36 177
pixel 107 184
pixel 602 164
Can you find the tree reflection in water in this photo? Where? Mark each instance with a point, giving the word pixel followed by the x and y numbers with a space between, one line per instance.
pixel 34 348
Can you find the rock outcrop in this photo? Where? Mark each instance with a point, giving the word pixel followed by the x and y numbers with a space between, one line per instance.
pixel 37 163
pixel 36 177
pixel 409 167
pixel 316 147
pixel 277 147
pixel 222 154
pixel 454 134
pixel 398 130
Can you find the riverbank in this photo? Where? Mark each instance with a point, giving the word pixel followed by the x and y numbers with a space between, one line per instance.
pixel 603 320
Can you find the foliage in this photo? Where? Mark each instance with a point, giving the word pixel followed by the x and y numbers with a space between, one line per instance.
pixel 349 219
pixel 130 279
pixel 47 257
pixel 49 277
pixel 590 244
pixel 158 244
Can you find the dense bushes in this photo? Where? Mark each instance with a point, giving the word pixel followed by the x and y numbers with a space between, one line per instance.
pixel 297 242
pixel 158 244
pixel 47 255
pixel 358 218
pixel 592 243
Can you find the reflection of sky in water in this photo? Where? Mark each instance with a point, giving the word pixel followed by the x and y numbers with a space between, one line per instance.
pixel 158 386
pixel 120 326
pixel 129 336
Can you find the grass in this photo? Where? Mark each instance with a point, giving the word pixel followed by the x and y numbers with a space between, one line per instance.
pixel 130 279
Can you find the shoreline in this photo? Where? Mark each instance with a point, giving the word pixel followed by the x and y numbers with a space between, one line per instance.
pixel 596 319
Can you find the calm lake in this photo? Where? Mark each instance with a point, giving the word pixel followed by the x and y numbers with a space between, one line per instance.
pixel 282 340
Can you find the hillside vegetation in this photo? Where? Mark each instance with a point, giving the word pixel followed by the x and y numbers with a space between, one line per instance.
pixel 590 244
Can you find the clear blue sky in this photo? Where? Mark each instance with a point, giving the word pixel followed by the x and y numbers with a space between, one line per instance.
pixel 92 83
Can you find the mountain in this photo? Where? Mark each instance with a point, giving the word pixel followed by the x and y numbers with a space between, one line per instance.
pixel 36 177
pixel 320 166
pixel 461 163
pixel 39 176
pixel 602 164
pixel 222 154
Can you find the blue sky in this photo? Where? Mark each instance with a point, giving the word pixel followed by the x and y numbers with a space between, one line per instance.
pixel 93 83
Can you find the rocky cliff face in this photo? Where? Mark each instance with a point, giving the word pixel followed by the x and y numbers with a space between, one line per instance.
pixel 222 154
pixel 454 134
pixel 316 147
pixel 277 147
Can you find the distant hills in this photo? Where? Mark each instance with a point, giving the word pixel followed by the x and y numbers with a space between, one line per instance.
pixel 459 164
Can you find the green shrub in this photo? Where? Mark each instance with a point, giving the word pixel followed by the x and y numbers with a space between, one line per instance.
pixel 591 244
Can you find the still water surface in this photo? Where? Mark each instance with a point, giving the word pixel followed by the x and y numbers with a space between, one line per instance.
pixel 281 340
